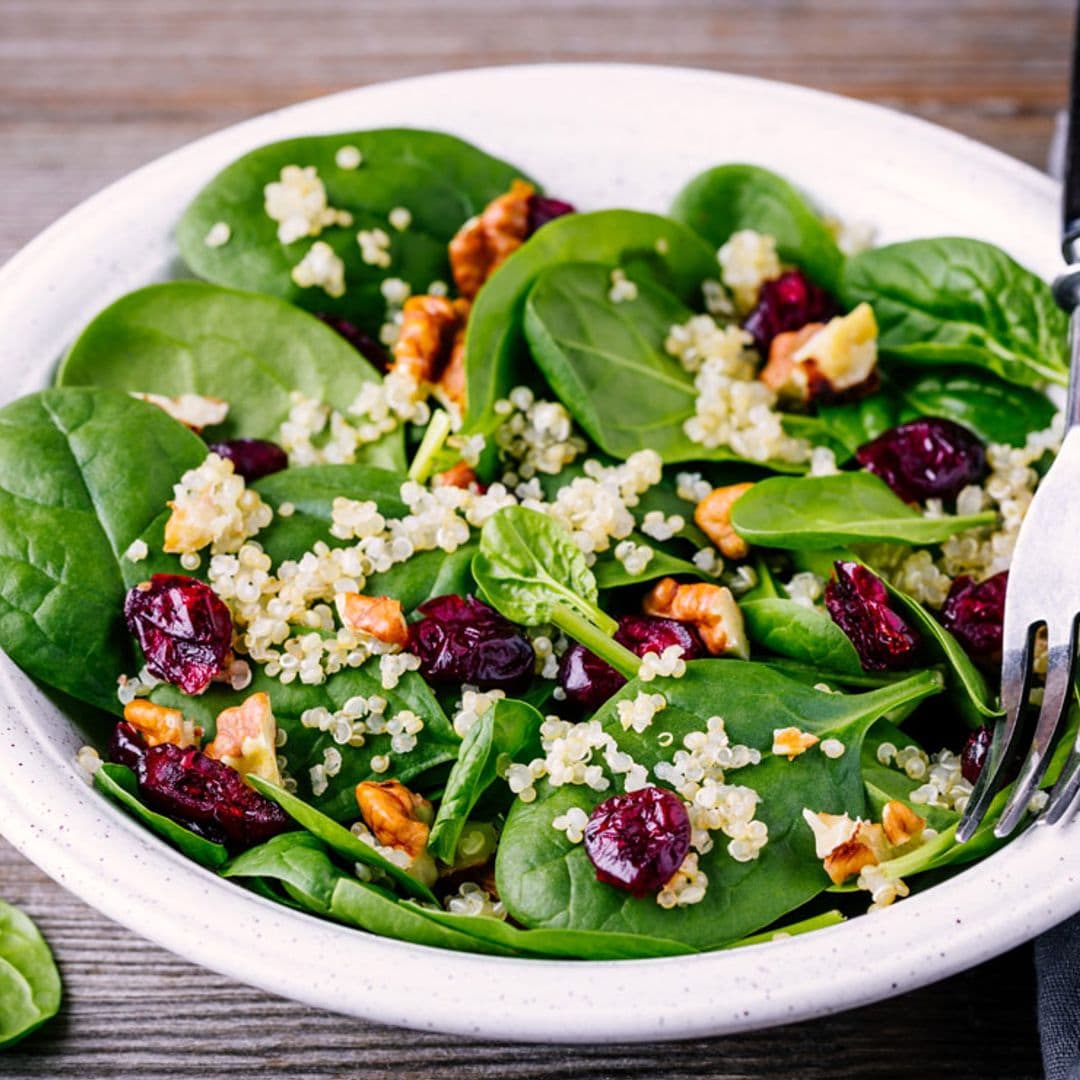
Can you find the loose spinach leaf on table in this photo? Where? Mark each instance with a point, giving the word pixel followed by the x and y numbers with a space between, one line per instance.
pixel 442 181
pixel 509 730
pixel 725 199
pixel 119 784
pixel 811 512
pixel 251 351
pixel 29 981
pixel 957 301
pixel 83 473
pixel 801 633
pixel 546 881
pixel 646 246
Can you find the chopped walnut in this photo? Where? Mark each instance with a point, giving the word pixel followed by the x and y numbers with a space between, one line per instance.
pixel 790 742
pixel 431 344
pixel 710 609
pixel 379 616
pixel 484 242
pixel 158 724
pixel 459 476
pixel 864 849
pixel 901 823
pixel 713 517
pixel 246 739
pixel 399 819
pixel 192 410
pixel 830 830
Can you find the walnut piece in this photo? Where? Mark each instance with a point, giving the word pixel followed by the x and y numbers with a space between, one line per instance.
pixel 192 410
pixel 713 517
pixel 790 742
pixel 158 724
pixel 710 609
pixel 865 848
pixel 431 344
pixel 901 823
pixel 459 476
pixel 379 616
pixel 484 242
pixel 246 739
pixel 400 819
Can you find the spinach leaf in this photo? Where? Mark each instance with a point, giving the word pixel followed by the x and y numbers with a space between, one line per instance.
pixel 376 911
pixel 811 512
pixel 546 881
pixel 297 859
pixel 800 633
pixel 720 201
pixel 612 574
pixel 442 181
pixel 118 782
pixel 803 926
pixel 338 838
pixel 579 944
pixel 855 424
pixel 83 473
pixel 958 301
pixel 251 351
pixel 509 730
pixel 644 245
pixel 29 981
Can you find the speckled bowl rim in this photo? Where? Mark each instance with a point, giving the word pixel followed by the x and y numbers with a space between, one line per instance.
pixel 598 134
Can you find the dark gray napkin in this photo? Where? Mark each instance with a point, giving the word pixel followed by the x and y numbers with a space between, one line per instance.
pixel 1057 965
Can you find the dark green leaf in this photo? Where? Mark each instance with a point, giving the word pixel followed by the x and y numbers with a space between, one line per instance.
pixel 297 859
pixel 805 634
pixel 29 981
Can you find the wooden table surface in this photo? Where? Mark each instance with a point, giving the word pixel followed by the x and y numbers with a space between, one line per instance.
pixel 90 89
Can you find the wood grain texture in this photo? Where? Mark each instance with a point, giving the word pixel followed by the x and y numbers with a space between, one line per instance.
pixel 89 89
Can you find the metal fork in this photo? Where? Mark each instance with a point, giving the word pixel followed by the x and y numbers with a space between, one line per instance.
pixel 1044 579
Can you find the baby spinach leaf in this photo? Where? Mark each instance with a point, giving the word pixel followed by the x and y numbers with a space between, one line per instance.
pixel 83 473
pixel 376 911
pixel 338 838
pixel 957 301
pixel 297 859
pixel 855 424
pixel 805 634
pixel 442 181
pixel 612 574
pixel 510 730
pixel 722 200
pixel 29 981
pixel 119 784
pixel 824 511
pixel 546 881
pixel 646 246
pixel 803 926
pixel 251 351
pixel 579 944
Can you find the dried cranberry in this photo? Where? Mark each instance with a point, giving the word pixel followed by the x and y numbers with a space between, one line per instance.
pixel 925 459
pixel 543 208
pixel 207 796
pixel 127 745
pixel 252 458
pixel 973 756
pixel 361 341
pixel 638 840
pixel 590 681
pixel 183 627
pixel 974 614
pixel 462 640
pixel 787 303
pixel 859 604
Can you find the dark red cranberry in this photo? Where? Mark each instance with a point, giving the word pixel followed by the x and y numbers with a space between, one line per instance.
pixel 462 640
pixel 787 303
pixel 207 796
pixel 543 208
pixel 183 627
pixel 252 458
pixel 127 746
pixel 638 840
pixel 925 459
pixel 859 604
pixel 590 681
pixel 973 757
pixel 974 615
pixel 370 349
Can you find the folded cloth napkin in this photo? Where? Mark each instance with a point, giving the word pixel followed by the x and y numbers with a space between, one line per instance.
pixel 1057 965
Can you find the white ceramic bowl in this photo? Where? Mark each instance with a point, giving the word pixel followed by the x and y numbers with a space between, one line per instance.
pixel 601 136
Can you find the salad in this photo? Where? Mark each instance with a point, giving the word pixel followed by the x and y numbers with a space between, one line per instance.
pixel 479 572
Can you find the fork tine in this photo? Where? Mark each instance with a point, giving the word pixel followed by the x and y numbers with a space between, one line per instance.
pixel 1015 680
pixel 1059 681
pixel 1063 795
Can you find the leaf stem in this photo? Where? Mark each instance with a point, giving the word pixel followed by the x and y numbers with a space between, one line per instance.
pixel 434 437
pixel 597 639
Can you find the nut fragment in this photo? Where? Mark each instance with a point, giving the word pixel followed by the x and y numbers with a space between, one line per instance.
pixel 431 343
pixel 399 819
pixel 713 517
pixel 901 823
pixel 379 616
pixel 864 849
pixel 483 243
pixel 192 410
pixel 790 742
pixel 830 830
pixel 459 476
pixel 246 739
pixel 158 724
pixel 710 609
